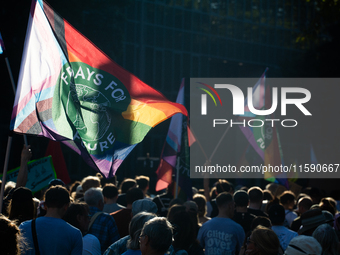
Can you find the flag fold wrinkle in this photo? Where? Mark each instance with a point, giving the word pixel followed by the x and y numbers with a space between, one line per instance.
pixel 70 91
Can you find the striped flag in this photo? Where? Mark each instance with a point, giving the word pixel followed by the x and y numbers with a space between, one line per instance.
pixel 70 91
pixel 172 146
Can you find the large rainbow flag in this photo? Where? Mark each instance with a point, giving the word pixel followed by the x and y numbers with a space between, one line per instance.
pixel 70 91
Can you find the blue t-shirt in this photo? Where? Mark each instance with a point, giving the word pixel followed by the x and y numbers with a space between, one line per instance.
pixel 55 236
pixel 221 236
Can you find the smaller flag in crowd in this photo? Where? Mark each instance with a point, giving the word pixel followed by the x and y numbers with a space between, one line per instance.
pixel 2 45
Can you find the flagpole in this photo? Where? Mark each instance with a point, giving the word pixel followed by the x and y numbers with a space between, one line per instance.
pixel 9 142
pixel 4 174
pixel 177 176
pixel 219 142
pixel 13 86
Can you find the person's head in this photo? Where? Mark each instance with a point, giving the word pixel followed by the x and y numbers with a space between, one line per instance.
pixel 222 186
pixel 302 245
pixel 78 216
pixel 310 220
pixel 201 202
pixel 267 195
pixel 8 187
pixel 10 238
pixel 110 191
pixel 56 182
pixel 57 197
pixel 143 205
pixel 126 185
pixel 263 241
pixel 156 236
pixel 260 221
pixel 21 207
pixel 94 197
pixel 327 238
pixel 255 195
pixel 135 228
pixel 184 231
pixel 276 214
pixel 176 201
pixel 287 199
pixel 328 204
pixel 90 182
pixel 304 204
pixel 143 182
pixel 133 195
pixel 225 204
pixel 173 210
pixel 241 198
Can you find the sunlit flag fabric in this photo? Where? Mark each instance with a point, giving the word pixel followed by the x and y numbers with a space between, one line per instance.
pixel 265 140
pixel 70 91
pixel 172 146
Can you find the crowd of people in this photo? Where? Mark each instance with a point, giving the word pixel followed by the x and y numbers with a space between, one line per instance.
pixel 96 216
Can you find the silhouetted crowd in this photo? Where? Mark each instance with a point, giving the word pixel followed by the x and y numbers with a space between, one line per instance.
pixel 96 216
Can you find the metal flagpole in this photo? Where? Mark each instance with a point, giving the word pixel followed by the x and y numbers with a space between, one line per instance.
pixel 177 175
pixel 9 142
pixel 4 174
pixel 219 142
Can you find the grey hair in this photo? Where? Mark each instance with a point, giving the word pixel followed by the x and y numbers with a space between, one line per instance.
pixel 93 196
pixel 159 232
pixel 135 228
pixel 327 238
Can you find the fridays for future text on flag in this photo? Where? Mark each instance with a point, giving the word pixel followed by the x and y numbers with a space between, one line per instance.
pixel 70 91
pixel 265 139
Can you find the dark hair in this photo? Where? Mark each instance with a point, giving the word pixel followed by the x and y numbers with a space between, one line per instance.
pixel 73 187
pixel 134 194
pixel 57 197
pixel 175 209
pixel 142 181
pixel 328 204
pixel 223 198
pixel 305 202
pixel 110 191
pixel 21 206
pixel 260 221
pixel 126 185
pixel 10 238
pixel 184 231
pixel 267 195
pixel 255 194
pixel 75 209
pixel 287 197
pixel 266 240
pixel 222 186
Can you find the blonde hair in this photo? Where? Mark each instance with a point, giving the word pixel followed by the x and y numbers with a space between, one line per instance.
pixel 90 182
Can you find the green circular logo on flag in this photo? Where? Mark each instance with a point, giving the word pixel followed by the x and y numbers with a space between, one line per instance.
pixel 87 102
